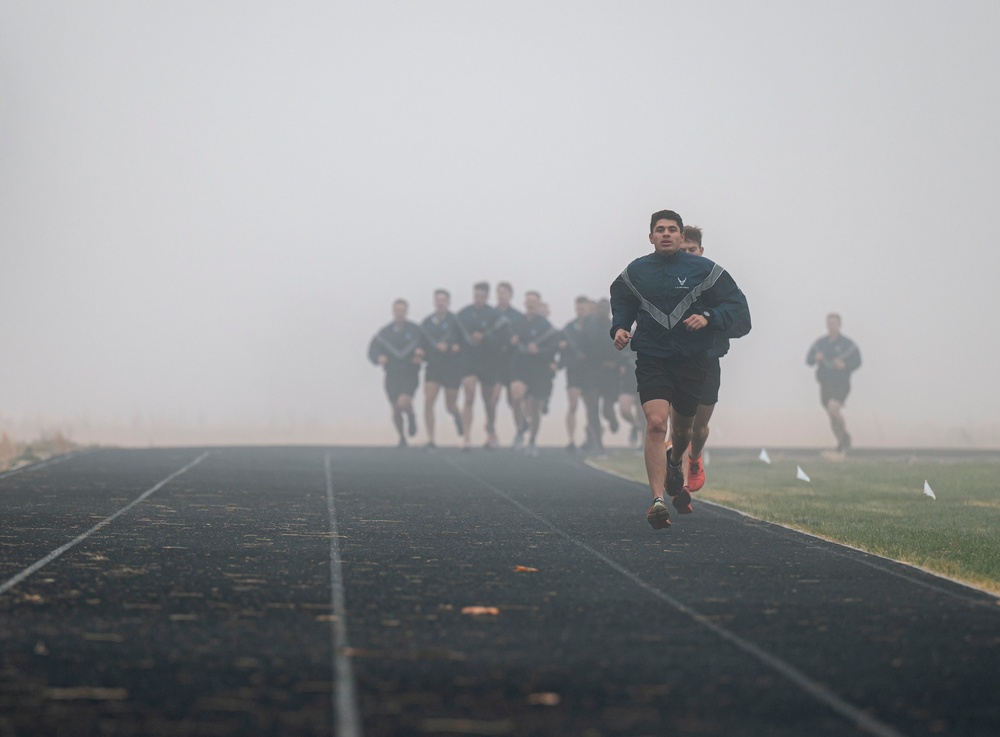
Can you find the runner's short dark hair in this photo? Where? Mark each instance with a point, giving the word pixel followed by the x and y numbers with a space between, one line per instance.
pixel 401 301
pixel 505 284
pixel 482 286
pixel 534 292
pixel 445 292
pixel 665 215
pixel 582 298
pixel 692 234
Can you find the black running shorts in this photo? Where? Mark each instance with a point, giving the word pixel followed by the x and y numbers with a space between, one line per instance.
pixel 609 383
pixel 833 390
pixel 401 381
pixel 502 369
pixel 482 365
pixel 446 371
pixel 579 376
pixel 713 378
pixel 676 379
pixel 535 375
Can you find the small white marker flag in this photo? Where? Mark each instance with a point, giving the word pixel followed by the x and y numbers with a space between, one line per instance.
pixel 764 456
pixel 800 474
pixel 928 490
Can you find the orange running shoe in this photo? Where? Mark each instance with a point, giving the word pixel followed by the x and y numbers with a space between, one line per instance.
pixel 658 515
pixel 696 474
pixel 682 501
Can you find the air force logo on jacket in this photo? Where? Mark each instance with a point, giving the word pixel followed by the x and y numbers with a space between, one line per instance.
pixel 694 285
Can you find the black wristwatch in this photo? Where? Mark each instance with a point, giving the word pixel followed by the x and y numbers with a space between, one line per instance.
pixel 707 314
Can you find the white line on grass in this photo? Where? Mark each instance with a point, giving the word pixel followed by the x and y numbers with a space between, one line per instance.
pixel 40 563
pixel 862 720
pixel 345 702
pixel 719 508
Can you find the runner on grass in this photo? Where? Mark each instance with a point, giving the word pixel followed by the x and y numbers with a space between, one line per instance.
pixel 835 357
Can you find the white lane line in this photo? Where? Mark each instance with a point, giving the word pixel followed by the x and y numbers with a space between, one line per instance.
pixel 862 720
pixel 15 580
pixel 720 510
pixel 345 702
pixel 43 464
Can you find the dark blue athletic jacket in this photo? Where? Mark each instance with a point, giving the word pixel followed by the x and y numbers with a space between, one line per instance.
pixel 537 330
pixel 445 330
pixel 488 321
pixel 577 339
pixel 842 347
pixel 675 287
pixel 398 344
pixel 510 319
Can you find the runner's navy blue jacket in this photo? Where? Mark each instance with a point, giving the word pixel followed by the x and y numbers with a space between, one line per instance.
pixel 577 340
pixel 840 347
pixel 510 319
pixel 398 344
pixel 445 330
pixel 537 330
pixel 486 320
pixel 676 286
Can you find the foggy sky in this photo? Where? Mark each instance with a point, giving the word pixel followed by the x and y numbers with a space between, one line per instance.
pixel 206 209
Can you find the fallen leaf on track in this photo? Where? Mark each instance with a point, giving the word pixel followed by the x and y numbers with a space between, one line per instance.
pixel 481 610
pixel 544 698
pixel 525 569
pixel 86 692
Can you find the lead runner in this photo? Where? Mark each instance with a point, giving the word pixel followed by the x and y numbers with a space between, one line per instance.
pixel 678 303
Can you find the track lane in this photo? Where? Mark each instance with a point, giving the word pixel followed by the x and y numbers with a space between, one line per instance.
pixel 866 635
pixel 205 610
pixel 209 609
pixel 47 506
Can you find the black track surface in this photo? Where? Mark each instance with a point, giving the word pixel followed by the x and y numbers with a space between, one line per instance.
pixel 207 608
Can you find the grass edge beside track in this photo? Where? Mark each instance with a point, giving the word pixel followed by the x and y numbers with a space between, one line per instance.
pixel 987 586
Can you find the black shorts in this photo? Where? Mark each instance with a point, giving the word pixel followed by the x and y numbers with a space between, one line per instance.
pixel 537 378
pixel 677 379
pixel 446 372
pixel 578 377
pixel 484 366
pixel 609 384
pixel 713 378
pixel 401 381
pixel 833 390
pixel 502 369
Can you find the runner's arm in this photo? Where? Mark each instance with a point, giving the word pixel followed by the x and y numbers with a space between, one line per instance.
pixel 624 307
pixel 730 313
pixel 373 351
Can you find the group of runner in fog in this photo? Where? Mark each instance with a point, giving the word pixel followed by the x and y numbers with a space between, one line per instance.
pixel 485 351
pixel 675 309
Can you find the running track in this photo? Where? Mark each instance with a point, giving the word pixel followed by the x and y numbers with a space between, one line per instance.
pixel 201 592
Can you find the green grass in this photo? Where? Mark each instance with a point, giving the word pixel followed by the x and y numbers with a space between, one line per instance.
pixel 877 505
